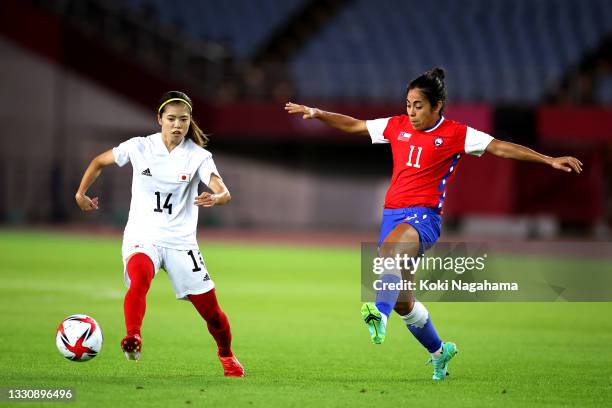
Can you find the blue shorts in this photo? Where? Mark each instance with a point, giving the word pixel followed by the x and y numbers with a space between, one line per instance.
pixel 425 220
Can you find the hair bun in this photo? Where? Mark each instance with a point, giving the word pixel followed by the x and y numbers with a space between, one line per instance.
pixel 438 72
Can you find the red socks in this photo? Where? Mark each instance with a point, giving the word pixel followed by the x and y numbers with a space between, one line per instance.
pixel 218 325
pixel 141 271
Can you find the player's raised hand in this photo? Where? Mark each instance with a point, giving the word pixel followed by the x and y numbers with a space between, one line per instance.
pixel 85 203
pixel 567 163
pixel 306 111
pixel 206 200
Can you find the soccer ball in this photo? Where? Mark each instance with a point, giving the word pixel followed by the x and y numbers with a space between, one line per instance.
pixel 79 338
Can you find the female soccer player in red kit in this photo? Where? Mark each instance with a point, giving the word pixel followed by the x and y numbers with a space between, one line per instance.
pixel 426 149
pixel 161 229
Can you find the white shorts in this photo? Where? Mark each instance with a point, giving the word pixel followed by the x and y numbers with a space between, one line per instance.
pixel 186 269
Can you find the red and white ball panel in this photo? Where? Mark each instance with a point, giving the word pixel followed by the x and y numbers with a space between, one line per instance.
pixel 79 338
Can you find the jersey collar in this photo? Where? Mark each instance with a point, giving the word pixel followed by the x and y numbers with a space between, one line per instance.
pixel 160 147
pixel 436 125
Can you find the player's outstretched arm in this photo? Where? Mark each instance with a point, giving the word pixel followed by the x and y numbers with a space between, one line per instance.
pixel 91 174
pixel 341 122
pixel 220 194
pixel 509 150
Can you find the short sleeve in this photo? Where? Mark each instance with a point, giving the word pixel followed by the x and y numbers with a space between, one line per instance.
pixel 376 129
pixel 207 169
pixel 122 152
pixel 476 141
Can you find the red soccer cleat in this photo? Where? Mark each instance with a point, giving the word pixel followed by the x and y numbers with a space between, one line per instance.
pixel 231 366
pixel 131 346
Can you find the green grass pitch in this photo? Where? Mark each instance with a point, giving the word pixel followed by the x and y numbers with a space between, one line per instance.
pixel 297 330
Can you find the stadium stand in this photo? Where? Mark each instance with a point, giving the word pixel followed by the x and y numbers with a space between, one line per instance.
pixel 242 24
pixel 507 51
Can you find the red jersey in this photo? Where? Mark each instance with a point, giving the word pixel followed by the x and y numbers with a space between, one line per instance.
pixel 424 161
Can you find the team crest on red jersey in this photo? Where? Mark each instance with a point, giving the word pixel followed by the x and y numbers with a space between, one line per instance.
pixel 404 136
pixel 438 141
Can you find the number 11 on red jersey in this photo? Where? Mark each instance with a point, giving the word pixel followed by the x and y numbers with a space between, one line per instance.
pixel 418 157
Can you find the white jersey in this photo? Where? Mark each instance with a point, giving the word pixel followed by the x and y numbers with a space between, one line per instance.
pixel 164 188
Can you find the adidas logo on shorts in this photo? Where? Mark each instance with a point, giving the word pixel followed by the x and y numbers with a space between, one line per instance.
pixel 147 172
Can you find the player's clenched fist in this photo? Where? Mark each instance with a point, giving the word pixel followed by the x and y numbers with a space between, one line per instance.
pixel 206 199
pixel 85 203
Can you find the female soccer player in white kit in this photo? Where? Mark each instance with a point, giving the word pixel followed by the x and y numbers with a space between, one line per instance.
pixel 161 228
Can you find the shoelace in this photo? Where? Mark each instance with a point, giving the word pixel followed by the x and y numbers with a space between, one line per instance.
pixel 372 317
pixel 232 367
pixel 231 362
pixel 437 363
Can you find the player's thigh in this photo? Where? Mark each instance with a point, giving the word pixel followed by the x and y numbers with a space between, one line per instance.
pixel 129 249
pixel 403 239
pixel 187 272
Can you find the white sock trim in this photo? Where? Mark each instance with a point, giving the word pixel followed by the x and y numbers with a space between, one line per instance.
pixel 417 317
pixel 436 354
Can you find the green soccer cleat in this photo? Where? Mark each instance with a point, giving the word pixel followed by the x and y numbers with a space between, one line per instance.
pixel 375 321
pixel 440 364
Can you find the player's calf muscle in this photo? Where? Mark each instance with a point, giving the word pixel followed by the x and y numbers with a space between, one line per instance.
pixel 404 308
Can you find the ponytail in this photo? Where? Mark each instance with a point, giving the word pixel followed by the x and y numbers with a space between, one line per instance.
pixel 196 134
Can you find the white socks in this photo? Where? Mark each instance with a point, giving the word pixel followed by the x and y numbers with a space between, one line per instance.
pixel 417 317
pixel 384 318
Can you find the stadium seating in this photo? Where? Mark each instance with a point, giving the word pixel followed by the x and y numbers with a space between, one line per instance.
pixel 243 25
pixel 502 51
pixel 603 93
pixel 499 51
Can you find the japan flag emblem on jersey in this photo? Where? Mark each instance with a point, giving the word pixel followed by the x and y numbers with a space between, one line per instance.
pixel 184 177
pixel 438 142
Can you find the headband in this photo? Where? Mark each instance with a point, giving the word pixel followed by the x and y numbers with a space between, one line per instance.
pixel 174 100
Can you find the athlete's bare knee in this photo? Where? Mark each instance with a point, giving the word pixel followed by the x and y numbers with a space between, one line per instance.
pixel 403 308
pixel 404 239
